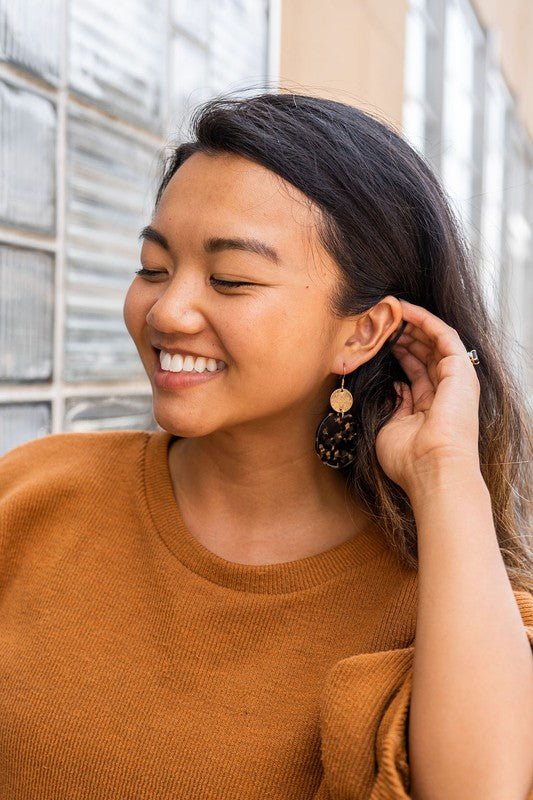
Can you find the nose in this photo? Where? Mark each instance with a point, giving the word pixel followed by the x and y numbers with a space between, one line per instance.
pixel 177 310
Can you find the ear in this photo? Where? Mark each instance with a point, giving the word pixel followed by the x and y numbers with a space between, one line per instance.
pixel 360 338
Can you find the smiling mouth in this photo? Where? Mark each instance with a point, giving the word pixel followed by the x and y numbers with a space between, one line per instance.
pixel 187 364
pixel 169 381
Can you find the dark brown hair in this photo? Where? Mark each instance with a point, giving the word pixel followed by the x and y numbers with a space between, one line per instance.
pixel 386 221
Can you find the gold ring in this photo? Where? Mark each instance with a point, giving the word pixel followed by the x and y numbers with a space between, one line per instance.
pixel 472 355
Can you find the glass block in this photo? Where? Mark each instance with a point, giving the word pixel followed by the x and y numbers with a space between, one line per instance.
pixel 458 123
pixel 460 160
pixel 31 34
pixel 238 42
pixel 231 56
pixel 192 17
pixel 21 422
pixel 414 124
pixel 518 232
pixel 457 178
pixel 109 413
pixel 26 314
pixel 459 47
pixel 189 84
pixel 27 159
pixel 117 56
pixel 493 183
pixel 109 198
pixel 415 55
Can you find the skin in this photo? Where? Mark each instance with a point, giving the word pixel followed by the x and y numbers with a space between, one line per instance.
pixel 471 707
pixel 248 461
pixel 248 458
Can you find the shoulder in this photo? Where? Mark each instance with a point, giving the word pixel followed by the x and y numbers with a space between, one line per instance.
pixel 67 458
pixel 55 486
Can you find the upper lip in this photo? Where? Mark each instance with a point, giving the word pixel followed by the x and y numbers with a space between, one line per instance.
pixel 182 351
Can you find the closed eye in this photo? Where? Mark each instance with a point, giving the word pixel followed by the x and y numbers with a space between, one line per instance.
pixel 145 272
pixel 148 273
pixel 220 282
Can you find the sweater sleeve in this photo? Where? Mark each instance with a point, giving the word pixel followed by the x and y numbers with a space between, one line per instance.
pixel 364 722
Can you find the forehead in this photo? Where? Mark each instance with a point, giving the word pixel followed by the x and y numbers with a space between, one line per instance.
pixel 226 193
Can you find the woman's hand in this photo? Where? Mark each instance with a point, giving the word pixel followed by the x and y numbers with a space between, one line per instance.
pixel 437 424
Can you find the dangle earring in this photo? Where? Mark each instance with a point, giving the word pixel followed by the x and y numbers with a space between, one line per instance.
pixel 335 436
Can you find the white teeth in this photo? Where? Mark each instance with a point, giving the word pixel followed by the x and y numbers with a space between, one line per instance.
pixel 176 363
pixel 179 363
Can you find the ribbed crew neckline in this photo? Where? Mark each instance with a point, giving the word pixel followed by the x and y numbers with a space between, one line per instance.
pixel 280 578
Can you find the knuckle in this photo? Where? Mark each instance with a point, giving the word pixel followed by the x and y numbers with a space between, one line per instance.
pixel 451 337
pixel 455 335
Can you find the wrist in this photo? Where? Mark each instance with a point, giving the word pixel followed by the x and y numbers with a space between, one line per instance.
pixel 444 476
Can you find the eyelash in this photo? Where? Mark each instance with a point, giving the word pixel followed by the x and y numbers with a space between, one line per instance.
pixel 149 272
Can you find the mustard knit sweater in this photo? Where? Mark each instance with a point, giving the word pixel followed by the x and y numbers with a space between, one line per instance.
pixel 137 664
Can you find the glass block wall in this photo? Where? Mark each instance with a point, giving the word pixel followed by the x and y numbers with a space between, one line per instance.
pixel 89 95
pixel 460 114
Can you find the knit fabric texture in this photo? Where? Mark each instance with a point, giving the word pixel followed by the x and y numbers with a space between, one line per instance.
pixel 136 664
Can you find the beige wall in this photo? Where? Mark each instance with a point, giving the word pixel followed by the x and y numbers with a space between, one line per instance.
pixel 348 50
pixel 353 50
pixel 512 22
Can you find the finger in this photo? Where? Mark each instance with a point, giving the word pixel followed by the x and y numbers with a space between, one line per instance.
pixel 426 355
pixel 407 340
pixel 415 361
pixel 416 333
pixel 443 335
pixel 422 387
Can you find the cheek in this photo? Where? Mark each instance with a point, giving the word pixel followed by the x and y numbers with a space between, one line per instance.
pixel 285 337
pixel 255 335
pixel 135 310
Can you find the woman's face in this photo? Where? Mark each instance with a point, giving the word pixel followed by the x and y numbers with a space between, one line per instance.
pixel 277 337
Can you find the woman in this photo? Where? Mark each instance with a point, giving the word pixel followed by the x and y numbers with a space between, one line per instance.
pixel 227 607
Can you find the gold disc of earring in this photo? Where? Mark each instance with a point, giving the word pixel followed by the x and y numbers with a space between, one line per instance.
pixel 341 400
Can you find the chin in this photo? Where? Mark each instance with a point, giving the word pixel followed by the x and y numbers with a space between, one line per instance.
pixel 177 426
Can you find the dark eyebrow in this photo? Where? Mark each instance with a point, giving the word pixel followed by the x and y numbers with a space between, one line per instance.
pixel 217 243
pixel 151 235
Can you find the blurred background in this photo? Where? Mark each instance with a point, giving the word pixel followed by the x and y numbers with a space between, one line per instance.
pixel 92 91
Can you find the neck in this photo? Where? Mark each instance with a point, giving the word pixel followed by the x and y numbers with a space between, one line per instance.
pixel 257 499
